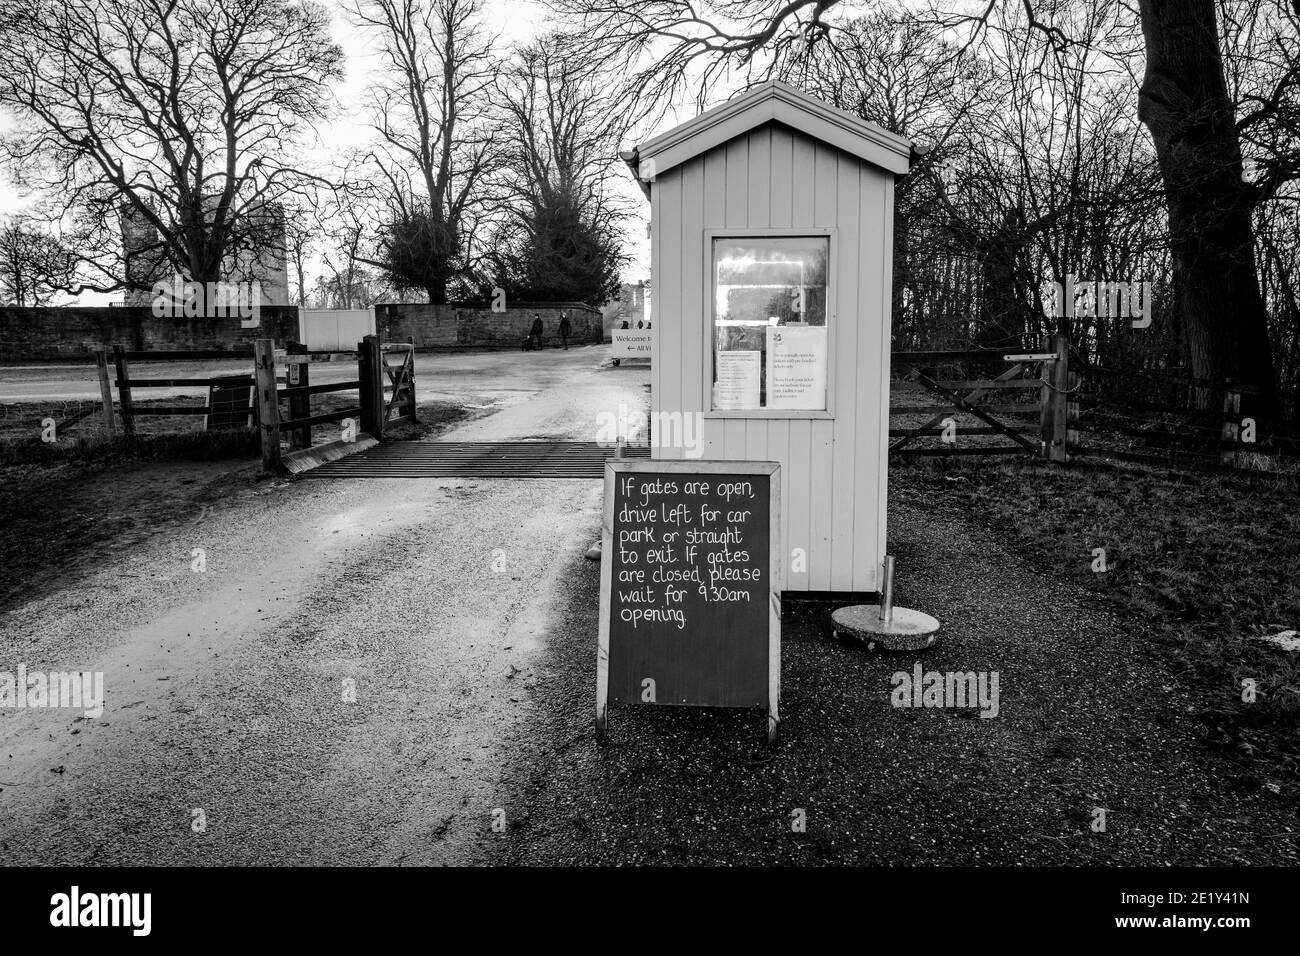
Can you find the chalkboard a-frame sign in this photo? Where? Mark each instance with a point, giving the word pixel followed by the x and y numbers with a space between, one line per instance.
pixel 690 576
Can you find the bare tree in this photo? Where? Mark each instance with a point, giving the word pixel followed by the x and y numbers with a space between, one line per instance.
pixel 175 119
pixel 564 132
pixel 301 232
pixel 1261 47
pixel 667 45
pixel 343 220
pixel 436 144
pixel 666 48
pixel 34 266
pixel 354 288
pixel 1185 104
pixel 891 69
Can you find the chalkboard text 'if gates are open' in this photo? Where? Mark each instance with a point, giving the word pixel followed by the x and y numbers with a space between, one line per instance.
pixel 688 582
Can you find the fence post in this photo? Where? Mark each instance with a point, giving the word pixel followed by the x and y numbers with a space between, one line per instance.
pixel 124 391
pixel 371 368
pixel 1060 395
pixel 1231 426
pixel 299 402
pixel 1045 402
pixel 412 416
pixel 268 402
pixel 105 391
pixel 1072 416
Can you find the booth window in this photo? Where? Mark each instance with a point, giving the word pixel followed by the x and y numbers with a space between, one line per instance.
pixel 769 322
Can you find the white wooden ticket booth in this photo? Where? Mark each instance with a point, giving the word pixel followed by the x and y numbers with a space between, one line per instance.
pixel 771 233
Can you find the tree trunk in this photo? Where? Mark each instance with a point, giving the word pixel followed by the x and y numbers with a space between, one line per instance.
pixel 1004 314
pixel 1184 102
pixel 437 283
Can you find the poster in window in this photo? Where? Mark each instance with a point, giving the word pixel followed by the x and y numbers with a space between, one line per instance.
pixel 737 386
pixel 796 367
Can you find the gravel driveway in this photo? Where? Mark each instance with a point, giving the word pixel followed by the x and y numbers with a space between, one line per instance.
pixel 1088 721
pixel 463 616
pixel 227 735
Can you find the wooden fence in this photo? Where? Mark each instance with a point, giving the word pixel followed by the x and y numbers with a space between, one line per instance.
pixel 1128 414
pixel 1025 403
pixel 1172 418
pixel 385 387
pixel 127 386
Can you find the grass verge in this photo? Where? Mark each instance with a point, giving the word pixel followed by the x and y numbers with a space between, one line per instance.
pixel 1202 565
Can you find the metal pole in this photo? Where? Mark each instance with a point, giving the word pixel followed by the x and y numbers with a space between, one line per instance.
pixel 887 591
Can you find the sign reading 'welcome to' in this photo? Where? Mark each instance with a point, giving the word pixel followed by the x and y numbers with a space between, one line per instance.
pixel 689 585
pixel 632 343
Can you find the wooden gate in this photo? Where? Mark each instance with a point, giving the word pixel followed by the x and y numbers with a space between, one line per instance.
pixel 401 377
pixel 1042 435
pixel 375 407
pixel 378 376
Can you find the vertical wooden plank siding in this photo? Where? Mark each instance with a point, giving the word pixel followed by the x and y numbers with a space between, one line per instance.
pixel 733 430
pixel 884 325
pixel 760 214
pixel 669 315
pixel 778 429
pixel 825 210
pixel 833 470
pixel 799 478
pixel 715 217
pixel 846 268
pixel 658 288
pixel 690 331
pixel 870 440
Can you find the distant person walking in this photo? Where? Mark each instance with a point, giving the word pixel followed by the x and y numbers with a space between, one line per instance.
pixel 566 329
pixel 535 333
pixel 622 328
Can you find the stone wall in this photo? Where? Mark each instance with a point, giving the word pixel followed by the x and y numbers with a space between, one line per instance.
pixel 32 334
pixel 469 325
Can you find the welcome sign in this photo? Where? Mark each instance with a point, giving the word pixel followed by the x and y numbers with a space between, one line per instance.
pixel 632 343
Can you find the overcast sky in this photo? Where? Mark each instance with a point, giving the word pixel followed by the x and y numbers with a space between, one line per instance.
pixel 517 21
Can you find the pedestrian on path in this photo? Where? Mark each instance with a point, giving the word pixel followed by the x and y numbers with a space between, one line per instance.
pixel 622 328
pixel 565 329
pixel 535 333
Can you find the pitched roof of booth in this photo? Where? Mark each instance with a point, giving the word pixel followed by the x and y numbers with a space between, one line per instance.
pixel 774 101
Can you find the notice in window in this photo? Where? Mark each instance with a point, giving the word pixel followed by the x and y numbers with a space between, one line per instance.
pixel 796 367
pixel 738 379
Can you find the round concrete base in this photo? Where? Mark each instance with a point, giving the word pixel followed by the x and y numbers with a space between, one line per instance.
pixel 908 631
